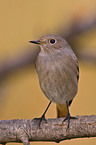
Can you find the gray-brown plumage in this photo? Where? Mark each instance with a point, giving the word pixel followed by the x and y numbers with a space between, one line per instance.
pixel 58 72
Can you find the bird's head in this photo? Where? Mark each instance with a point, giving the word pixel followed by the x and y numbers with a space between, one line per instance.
pixel 51 43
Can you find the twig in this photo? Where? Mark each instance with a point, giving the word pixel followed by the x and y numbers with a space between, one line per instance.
pixel 78 27
pixel 29 58
pixel 18 62
pixel 26 131
pixel 87 56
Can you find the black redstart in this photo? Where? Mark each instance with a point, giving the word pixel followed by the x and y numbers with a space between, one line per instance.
pixel 58 73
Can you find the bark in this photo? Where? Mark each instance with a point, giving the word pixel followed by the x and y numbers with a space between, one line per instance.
pixel 25 131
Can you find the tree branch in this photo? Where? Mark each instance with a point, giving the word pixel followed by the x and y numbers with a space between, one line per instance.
pixel 76 28
pixel 18 62
pixel 28 130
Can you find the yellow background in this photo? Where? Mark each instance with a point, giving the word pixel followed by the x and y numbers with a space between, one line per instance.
pixel 24 20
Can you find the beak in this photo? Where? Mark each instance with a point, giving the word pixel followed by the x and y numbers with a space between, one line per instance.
pixel 35 42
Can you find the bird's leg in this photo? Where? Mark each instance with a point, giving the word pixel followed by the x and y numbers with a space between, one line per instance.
pixel 43 116
pixel 68 116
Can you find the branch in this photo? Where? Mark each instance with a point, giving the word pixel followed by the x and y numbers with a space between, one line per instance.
pixel 27 130
pixel 18 62
pixel 87 56
pixel 78 27
pixel 11 65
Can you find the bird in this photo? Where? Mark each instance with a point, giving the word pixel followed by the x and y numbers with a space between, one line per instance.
pixel 58 73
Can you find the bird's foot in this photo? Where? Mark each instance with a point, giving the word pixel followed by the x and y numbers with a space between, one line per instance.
pixel 39 120
pixel 68 118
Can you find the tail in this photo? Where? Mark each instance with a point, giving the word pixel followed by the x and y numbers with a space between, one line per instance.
pixel 62 110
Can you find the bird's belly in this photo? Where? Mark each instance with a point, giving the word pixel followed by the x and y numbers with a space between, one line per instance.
pixel 57 84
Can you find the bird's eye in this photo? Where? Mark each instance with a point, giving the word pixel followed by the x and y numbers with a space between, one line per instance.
pixel 52 41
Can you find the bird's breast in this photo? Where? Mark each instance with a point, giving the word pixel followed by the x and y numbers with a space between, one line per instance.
pixel 57 78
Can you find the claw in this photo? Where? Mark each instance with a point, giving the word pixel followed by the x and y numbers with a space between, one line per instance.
pixel 42 118
pixel 68 118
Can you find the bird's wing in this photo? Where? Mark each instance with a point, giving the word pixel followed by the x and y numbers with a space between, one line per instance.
pixel 62 110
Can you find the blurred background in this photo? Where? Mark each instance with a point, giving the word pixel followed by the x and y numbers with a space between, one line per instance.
pixel 24 20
